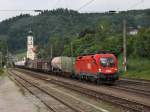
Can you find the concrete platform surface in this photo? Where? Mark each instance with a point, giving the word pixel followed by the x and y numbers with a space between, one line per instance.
pixel 12 99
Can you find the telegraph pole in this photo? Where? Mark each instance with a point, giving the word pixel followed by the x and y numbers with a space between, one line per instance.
pixel 124 46
pixel 71 47
pixel 51 51
pixel 7 58
pixel 124 39
pixel 1 56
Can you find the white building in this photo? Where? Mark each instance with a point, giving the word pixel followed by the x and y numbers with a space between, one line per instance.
pixel 30 47
pixel 132 31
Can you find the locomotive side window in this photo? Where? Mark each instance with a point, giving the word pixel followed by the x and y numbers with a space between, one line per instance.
pixel 107 62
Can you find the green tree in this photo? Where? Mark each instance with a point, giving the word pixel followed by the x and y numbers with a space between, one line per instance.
pixel 142 43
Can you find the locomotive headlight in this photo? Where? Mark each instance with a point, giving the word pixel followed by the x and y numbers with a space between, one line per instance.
pixel 115 69
pixel 99 69
pixel 108 71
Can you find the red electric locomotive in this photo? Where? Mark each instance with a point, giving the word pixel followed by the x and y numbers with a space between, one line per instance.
pixel 97 67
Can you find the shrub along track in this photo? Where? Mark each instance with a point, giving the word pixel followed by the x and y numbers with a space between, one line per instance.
pixel 52 98
pixel 121 97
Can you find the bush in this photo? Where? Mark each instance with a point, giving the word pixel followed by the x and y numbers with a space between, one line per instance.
pixel 138 68
pixel 1 71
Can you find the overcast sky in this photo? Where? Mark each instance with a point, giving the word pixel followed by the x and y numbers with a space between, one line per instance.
pixel 95 6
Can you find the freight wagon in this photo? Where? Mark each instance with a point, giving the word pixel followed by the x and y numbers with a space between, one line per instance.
pixel 39 65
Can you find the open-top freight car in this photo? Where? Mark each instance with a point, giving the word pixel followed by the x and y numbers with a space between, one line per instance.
pixel 39 65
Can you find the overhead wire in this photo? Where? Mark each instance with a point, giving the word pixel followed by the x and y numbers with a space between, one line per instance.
pixel 17 10
pixel 136 4
pixel 56 3
pixel 85 5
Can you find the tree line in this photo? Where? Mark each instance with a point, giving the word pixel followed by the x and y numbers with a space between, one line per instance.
pixel 67 30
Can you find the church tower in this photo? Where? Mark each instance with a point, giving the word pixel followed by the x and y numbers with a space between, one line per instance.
pixel 30 46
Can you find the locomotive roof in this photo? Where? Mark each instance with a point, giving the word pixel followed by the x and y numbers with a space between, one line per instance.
pixel 96 55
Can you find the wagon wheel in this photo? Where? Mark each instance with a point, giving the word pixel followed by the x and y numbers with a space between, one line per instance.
pixel 99 82
pixel 80 78
pixel 93 80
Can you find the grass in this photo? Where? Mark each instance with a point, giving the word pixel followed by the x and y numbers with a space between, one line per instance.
pixel 21 54
pixel 1 72
pixel 138 68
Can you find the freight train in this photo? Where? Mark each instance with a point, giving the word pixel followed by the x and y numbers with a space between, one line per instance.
pixel 102 67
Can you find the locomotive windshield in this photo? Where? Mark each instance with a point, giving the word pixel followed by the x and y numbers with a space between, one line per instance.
pixel 107 62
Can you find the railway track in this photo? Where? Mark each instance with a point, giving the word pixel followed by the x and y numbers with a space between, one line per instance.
pixel 137 81
pixel 143 85
pixel 133 90
pixel 35 90
pixel 63 106
pixel 136 86
pixel 141 91
pixel 82 88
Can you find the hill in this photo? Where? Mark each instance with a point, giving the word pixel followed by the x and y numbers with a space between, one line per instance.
pixel 63 24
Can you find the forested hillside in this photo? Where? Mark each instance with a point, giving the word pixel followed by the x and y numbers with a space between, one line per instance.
pixel 88 32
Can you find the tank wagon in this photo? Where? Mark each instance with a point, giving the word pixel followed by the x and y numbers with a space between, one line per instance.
pixel 96 67
pixel 63 64
pixel 20 64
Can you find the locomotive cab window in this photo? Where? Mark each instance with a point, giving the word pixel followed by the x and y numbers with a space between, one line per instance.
pixel 107 62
